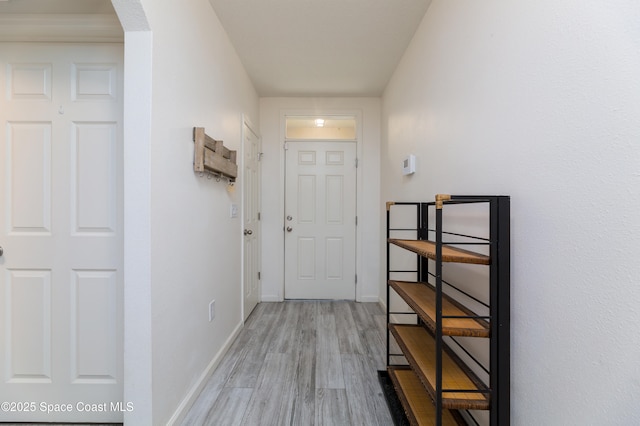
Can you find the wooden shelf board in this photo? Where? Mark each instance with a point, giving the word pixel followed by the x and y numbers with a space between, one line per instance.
pixel 415 400
pixel 420 350
pixel 449 254
pixel 422 299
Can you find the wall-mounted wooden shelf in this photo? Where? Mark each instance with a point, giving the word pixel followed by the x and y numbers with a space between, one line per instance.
pixel 211 156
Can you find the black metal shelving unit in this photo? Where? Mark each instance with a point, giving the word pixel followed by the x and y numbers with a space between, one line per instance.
pixel 433 350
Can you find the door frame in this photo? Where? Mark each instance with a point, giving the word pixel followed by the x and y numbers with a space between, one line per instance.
pixel 359 181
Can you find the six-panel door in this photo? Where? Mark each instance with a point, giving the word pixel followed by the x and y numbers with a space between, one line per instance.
pixel 320 220
pixel 61 227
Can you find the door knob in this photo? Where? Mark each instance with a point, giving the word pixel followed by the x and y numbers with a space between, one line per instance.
pixel 289 218
pixel 289 229
pixel 248 232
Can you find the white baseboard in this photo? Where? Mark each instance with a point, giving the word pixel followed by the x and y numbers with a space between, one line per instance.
pixel 382 303
pixel 369 299
pixel 365 299
pixel 182 410
pixel 271 298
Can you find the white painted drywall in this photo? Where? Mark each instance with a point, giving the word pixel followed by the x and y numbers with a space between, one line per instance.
pixel 190 248
pixel 138 356
pixel 539 100
pixel 368 255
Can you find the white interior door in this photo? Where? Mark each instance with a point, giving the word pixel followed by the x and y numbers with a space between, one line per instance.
pixel 61 228
pixel 320 220
pixel 251 220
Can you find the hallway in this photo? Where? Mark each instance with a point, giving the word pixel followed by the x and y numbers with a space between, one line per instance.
pixel 300 363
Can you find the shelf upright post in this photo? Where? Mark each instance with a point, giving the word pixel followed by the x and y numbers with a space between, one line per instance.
pixel 422 266
pixel 423 234
pixel 389 204
pixel 439 204
pixel 500 310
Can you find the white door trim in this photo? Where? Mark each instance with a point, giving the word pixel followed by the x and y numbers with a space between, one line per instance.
pixel 359 180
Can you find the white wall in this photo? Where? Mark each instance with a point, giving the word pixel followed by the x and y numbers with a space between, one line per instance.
pixel 368 255
pixel 193 249
pixel 539 100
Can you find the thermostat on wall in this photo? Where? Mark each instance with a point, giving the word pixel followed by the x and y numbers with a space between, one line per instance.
pixel 409 165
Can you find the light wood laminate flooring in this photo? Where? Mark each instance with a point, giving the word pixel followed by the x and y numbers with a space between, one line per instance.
pixel 300 363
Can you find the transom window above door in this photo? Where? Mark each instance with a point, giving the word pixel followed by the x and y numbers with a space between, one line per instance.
pixel 320 127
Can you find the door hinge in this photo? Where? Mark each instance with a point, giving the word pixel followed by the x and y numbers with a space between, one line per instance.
pixel 285 146
pixel 259 276
pixel 259 215
pixel 356 278
pixel 356 220
pixel 356 162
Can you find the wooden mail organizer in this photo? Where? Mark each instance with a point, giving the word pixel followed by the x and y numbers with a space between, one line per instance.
pixel 211 156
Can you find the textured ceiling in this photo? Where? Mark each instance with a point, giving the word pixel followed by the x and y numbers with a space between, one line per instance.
pixel 59 21
pixel 297 47
pixel 322 47
pixel 56 6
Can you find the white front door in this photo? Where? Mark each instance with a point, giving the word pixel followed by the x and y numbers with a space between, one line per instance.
pixel 61 229
pixel 320 220
pixel 251 219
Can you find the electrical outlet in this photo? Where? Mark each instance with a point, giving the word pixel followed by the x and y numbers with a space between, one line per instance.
pixel 212 310
pixel 233 210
